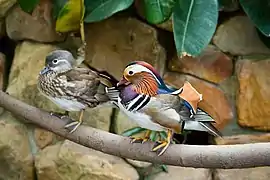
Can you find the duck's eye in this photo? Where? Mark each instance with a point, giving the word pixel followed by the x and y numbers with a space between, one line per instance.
pixel 55 61
pixel 130 72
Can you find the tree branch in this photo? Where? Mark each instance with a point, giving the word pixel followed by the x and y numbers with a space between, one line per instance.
pixel 211 156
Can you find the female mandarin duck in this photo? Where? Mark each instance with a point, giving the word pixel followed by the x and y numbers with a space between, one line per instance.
pixel 145 99
pixel 71 87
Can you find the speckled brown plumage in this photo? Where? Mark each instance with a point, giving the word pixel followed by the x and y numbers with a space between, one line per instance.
pixel 78 84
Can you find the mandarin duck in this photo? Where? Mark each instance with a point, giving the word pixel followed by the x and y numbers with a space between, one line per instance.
pixel 147 100
pixel 70 87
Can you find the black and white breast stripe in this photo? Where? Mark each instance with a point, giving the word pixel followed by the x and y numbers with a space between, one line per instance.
pixel 138 103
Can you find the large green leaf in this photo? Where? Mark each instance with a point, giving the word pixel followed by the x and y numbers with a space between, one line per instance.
pixel 259 12
pixel 28 5
pixel 157 11
pixel 69 16
pixel 153 136
pixel 58 6
pixel 194 23
pixel 132 131
pixel 163 135
pixel 164 167
pixel 97 10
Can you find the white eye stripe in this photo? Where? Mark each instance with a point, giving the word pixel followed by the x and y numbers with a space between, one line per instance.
pixel 136 68
pixel 56 61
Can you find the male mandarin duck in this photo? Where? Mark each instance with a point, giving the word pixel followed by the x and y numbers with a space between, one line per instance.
pixel 147 100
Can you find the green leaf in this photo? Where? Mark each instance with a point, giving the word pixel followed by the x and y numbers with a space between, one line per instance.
pixel 28 5
pixel 194 23
pixel 163 134
pixel 97 10
pixel 157 11
pixel 69 16
pixel 57 7
pixel 133 131
pixel 259 13
pixel 153 136
pixel 164 168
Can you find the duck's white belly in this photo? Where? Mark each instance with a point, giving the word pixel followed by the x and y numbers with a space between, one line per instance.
pixel 142 120
pixel 68 105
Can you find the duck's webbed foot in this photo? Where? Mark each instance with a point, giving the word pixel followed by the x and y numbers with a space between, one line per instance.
pixel 73 125
pixel 161 146
pixel 143 139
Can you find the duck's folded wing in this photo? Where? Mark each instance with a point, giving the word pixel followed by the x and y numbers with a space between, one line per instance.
pixel 80 81
pixel 167 118
pixel 97 79
pixel 163 110
pixel 79 74
pixel 201 121
pixel 85 85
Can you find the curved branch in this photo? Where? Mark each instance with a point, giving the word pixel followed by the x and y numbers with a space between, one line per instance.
pixel 211 156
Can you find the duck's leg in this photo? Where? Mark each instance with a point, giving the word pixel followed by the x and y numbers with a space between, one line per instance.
pixel 142 140
pixel 161 146
pixel 75 124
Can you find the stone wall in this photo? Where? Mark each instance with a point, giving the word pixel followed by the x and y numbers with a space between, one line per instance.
pixel 231 73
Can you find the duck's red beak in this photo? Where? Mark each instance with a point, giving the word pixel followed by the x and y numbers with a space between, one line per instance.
pixel 123 81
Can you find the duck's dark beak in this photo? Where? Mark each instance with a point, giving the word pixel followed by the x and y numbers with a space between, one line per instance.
pixel 122 82
pixel 44 70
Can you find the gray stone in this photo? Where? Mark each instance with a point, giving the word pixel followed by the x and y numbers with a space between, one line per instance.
pixel 116 41
pixel 15 153
pixel 176 173
pixel 259 173
pixel 238 36
pixel 43 138
pixel 72 161
pixel 38 26
pixel 5 5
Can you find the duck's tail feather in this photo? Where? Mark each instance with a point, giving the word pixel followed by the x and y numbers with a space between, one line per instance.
pixel 211 129
pixel 106 78
pixel 201 121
